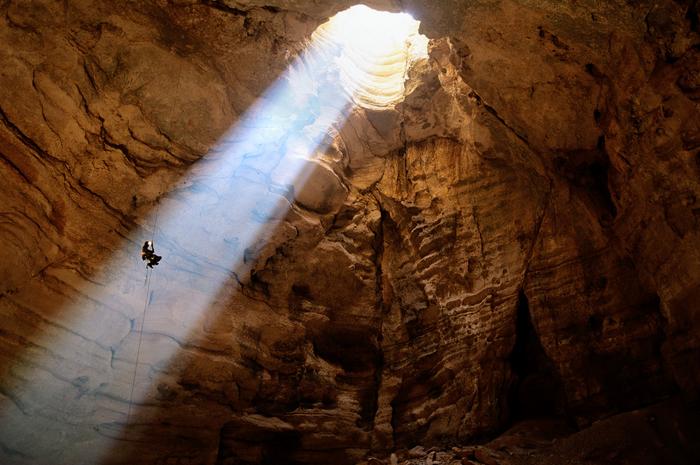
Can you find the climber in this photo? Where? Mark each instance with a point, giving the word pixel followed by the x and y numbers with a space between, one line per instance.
pixel 148 253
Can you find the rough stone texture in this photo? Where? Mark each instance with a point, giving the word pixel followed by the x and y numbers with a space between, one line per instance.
pixel 525 222
pixel 653 435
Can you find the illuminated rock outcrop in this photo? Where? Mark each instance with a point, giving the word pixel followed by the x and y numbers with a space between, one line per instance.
pixel 501 230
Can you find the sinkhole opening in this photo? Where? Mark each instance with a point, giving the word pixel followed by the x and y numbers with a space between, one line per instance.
pixel 375 50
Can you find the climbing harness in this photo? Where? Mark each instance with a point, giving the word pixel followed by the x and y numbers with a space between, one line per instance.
pixel 147 283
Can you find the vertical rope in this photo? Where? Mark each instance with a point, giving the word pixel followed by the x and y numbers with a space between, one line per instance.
pixel 149 272
pixel 138 350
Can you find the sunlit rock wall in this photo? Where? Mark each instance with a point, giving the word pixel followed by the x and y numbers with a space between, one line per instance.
pixel 533 198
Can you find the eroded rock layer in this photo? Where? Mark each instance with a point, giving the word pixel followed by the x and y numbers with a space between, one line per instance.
pixel 517 238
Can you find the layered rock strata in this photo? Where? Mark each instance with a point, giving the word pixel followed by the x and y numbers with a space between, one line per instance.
pixel 523 222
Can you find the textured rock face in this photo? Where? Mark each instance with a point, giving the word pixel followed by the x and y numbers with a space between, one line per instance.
pixel 517 238
pixel 649 436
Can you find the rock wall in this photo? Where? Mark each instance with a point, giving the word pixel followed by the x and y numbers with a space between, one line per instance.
pixel 525 222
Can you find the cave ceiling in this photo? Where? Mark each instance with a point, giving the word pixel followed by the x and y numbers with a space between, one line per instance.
pixel 349 270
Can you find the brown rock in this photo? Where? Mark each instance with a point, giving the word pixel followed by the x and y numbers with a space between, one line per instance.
pixel 516 238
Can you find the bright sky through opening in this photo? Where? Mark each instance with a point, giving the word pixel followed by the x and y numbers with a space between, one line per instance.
pixel 377 48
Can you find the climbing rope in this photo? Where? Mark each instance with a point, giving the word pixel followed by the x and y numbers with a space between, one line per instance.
pixel 149 272
pixel 138 350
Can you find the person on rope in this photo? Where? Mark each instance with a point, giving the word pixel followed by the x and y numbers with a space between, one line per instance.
pixel 148 253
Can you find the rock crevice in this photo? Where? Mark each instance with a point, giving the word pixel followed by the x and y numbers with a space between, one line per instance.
pixel 515 237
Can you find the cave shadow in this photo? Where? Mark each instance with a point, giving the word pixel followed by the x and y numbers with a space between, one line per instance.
pixel 537 390
pixel 616 305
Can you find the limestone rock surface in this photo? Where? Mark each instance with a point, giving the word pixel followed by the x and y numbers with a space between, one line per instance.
pixel 517 238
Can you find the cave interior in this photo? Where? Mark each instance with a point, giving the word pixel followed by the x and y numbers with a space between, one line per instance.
pixel 463 232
